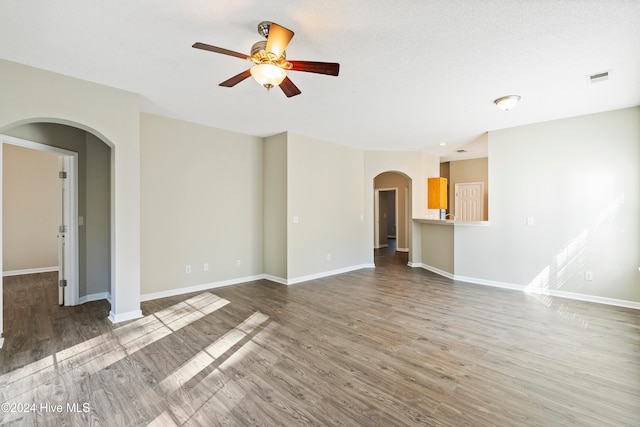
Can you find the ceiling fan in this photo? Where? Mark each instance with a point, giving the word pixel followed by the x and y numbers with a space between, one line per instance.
pixel 270 61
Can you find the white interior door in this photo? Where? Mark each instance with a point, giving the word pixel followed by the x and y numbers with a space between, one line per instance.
pixel 68 273
pixel 63 224
pixel 469 201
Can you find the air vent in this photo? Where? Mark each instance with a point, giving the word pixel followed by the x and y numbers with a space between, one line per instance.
pixel 598 77
pixel 461 151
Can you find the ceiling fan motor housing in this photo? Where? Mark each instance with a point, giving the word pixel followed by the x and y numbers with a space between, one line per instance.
pixel 259 55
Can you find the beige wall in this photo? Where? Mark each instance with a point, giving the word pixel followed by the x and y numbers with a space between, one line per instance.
pixel 438 250
pixel 201 204
pixel 473 170
pixel 579 180
pixel 325 192
pixel 403 186
pixel 30 209
pixel 275 206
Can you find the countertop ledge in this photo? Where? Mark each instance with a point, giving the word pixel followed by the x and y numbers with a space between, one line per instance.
pixel 452 222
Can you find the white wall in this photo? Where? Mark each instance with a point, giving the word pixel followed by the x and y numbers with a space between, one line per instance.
pixel 201 203
pixel 30 209
pixel 579 179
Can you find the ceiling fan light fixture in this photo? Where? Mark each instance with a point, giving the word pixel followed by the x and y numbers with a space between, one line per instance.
pixel 270 61
pixel 268 75
pixel 507 102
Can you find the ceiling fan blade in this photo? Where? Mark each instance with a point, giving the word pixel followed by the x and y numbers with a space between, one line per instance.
pixel 289 88
pixel 236 79
pixel 278 39
pixel 216 49
pixel 330 68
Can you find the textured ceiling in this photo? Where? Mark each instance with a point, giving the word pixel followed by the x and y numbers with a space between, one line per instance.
pixel 414 73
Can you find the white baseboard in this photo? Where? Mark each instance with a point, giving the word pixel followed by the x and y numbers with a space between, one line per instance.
pixel 437 271
pixel 492 283
pixel 280 280
pixel 323 274
pixel 276 279
pixel 199 288
pixel 588 298
pixel 29 271
pixel 1 342
pixel 402 249
pixel 549 292
pixel 95 297
pixel 123 317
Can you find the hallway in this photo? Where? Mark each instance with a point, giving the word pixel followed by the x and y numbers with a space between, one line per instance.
pixel 386 257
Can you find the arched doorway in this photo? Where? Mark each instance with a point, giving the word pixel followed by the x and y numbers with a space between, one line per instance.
pixel 91 221
pixel 392 217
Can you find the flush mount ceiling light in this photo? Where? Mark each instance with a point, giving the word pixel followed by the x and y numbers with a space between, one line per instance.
pixel 507 102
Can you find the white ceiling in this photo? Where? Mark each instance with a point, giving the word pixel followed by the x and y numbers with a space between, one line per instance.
pixel 414 73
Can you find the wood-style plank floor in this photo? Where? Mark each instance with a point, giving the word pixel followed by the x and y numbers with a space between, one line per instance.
pixel 390 346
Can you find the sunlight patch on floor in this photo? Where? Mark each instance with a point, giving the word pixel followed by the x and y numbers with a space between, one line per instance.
pixel 218 391
pixel 97 353
pixel 207 356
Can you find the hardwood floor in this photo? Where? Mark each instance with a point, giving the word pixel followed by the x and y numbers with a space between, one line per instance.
pixel 388 346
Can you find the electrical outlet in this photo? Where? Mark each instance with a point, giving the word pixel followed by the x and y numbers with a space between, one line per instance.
pixel 238 263
pixel 529 220
pixel 588 275
pixel 187 269
pixel 206 267
pixel 328 257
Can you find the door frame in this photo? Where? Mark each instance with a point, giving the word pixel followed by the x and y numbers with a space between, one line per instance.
pixel 70 159
pixel 376 214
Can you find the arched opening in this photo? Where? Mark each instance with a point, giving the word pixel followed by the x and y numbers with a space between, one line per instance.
pixel 392 218
pixel 92 221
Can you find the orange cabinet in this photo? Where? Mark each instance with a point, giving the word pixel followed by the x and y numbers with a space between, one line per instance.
pixel 437 193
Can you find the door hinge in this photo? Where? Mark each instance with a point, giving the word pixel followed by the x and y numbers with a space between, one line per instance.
pixel 62 229
pixel 63 283
pixel 62 175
